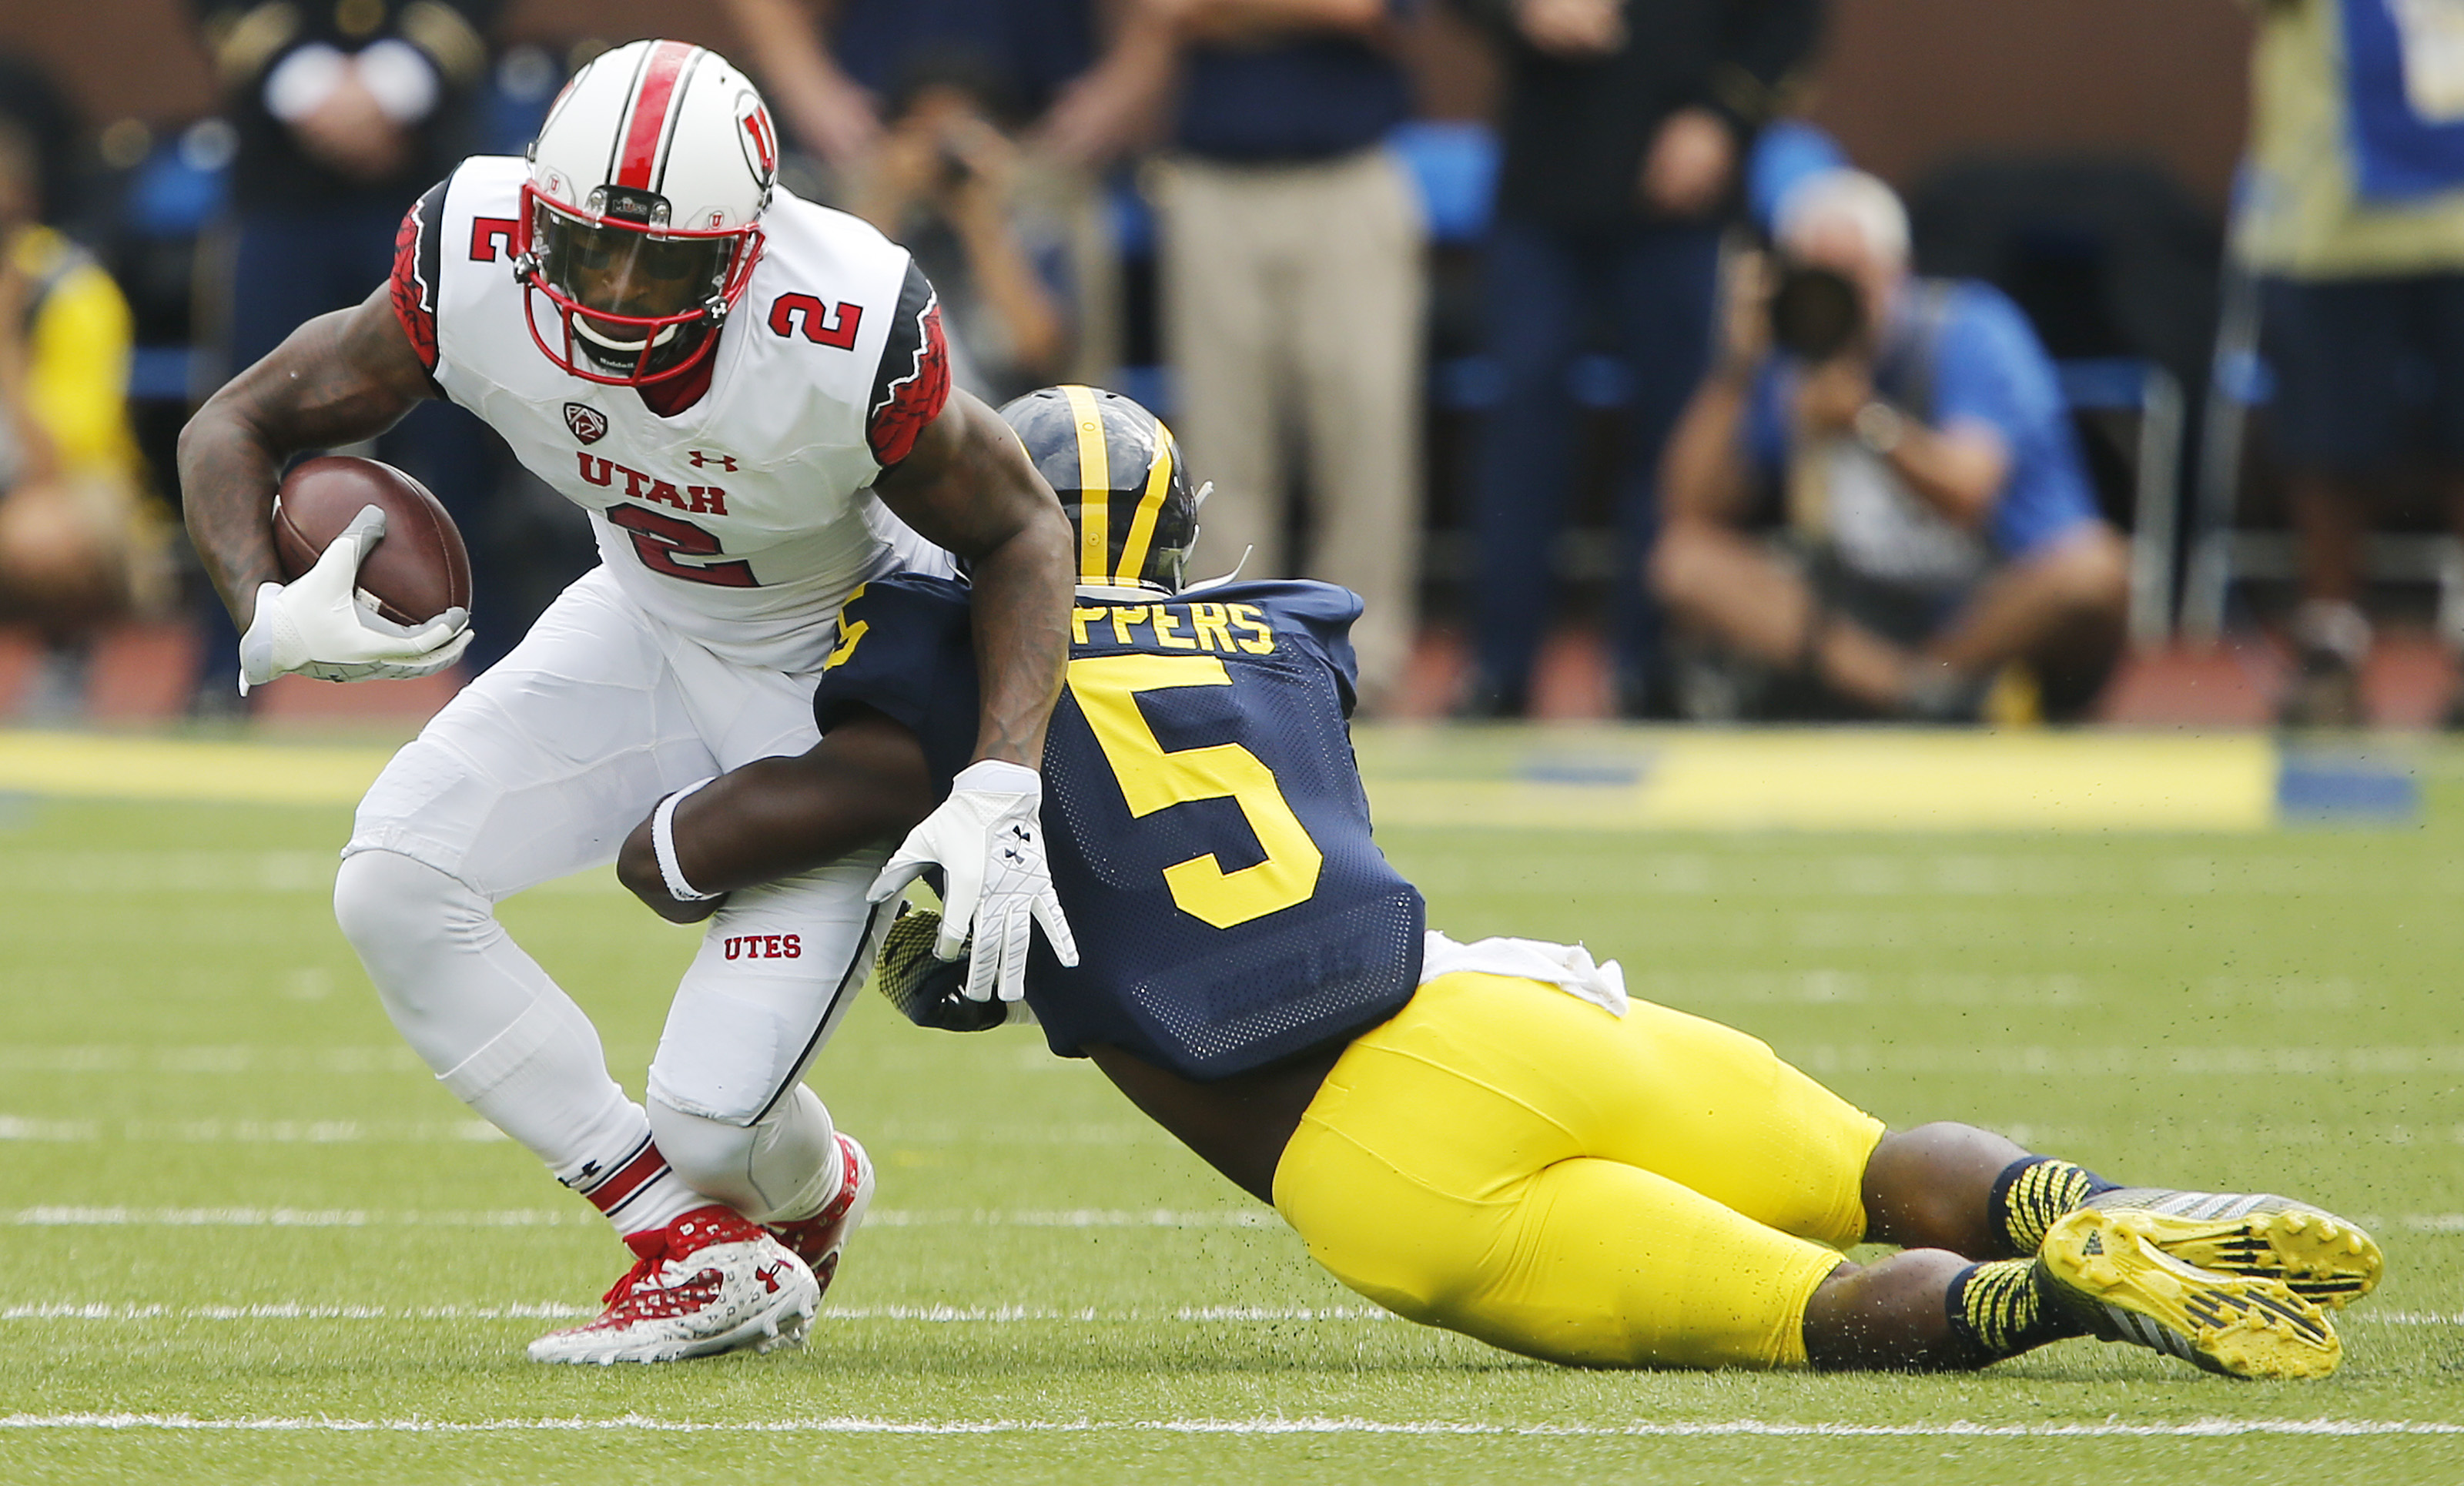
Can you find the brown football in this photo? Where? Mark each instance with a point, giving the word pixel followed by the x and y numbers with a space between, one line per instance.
pixel 417 572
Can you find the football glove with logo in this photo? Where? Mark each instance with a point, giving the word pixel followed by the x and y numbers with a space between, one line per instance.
pixel 319 625
pixel 928 990
pixel 988 842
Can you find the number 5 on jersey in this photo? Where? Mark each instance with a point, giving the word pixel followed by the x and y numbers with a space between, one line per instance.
pixel 1153 778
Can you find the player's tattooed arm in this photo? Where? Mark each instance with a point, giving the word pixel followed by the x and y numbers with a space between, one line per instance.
pixel 338 378
pixel 969 487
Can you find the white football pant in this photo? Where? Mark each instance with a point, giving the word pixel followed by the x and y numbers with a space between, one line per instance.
pixel 537 770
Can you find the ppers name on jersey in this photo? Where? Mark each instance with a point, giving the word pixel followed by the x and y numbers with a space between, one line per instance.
pixel 1178 624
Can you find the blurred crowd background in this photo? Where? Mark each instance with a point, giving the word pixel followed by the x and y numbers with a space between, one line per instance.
pixel 1707 360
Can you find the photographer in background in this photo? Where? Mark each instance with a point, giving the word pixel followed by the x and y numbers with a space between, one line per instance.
pixel 1624 124
pixel 942 180
pixel 1910 438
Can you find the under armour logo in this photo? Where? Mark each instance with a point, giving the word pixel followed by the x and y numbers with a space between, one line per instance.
pixel 769 1277
pixel 703 460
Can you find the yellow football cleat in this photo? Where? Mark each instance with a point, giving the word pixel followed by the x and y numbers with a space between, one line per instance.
pixel 2320 1257
pixel 2107 1270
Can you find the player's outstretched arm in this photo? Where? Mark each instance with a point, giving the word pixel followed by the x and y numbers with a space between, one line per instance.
pixel 968 485
pixel 338 378
pixel 864 783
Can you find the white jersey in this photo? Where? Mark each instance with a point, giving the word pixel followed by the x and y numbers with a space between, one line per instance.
pixel 745 520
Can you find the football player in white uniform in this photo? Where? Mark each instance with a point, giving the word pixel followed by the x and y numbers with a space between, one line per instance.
pixel 750 395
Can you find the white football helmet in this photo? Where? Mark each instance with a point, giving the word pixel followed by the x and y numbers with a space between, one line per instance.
pixel 639 222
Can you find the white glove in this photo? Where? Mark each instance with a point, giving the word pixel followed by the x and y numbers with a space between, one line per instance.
pixel 319 624
pixel 985 838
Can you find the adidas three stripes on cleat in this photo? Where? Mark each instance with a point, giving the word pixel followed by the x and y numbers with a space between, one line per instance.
pixel 2109 1272
pixel 2320 1257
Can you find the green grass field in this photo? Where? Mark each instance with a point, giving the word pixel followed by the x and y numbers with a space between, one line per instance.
pixel 249 1240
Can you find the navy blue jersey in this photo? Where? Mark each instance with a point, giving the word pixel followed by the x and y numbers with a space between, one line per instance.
pixel 1203 816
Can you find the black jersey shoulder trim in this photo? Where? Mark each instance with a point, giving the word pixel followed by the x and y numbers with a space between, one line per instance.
pixel 417 261
pixel 913 382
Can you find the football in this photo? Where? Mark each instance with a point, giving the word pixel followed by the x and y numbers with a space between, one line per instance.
pixel 418 571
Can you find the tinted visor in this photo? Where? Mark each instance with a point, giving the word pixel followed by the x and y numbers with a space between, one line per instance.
pixel 625 279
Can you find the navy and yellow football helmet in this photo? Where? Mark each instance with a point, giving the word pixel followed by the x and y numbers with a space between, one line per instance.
pixel 1120 477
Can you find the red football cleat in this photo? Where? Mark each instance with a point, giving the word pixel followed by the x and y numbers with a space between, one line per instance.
pixel 711 1281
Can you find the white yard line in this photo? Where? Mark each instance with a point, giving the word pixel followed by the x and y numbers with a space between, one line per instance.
pixel 552 1310
pixel 2127 1063
pixel 2134 1062
pixel 121 874
pixel 64 1216
pixel 939 1314
pixel 2196 1428
pixel 286 1217
pixel 1742 876
pixel 352 1061
pixel 256 1132
pixel 39 1131
pixel 543 1311
pixel 554 1218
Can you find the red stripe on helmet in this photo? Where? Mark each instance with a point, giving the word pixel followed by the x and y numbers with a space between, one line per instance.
pixel 637 159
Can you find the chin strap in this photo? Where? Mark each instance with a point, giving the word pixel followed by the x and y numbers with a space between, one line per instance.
pixel 1218 583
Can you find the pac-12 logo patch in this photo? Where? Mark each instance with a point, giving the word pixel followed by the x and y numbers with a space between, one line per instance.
pixel 588 424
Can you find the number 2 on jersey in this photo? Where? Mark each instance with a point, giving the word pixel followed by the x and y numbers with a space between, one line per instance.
pixel 659 538
pixel 1152 778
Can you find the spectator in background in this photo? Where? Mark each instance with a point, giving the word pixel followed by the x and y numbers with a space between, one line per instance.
pixel 893 98
pixel 1624 123
pixel 79 543
pixel 1294 280
pixel 344 111
pixel 51 127
pixel 828 65
pixel 2355 217
pixel 942 181
pixel 1913 434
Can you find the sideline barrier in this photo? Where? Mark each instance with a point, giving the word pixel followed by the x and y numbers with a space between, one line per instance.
pixel 1870 780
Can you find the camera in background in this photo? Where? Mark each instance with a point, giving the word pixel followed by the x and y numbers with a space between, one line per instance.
pixel 1815 313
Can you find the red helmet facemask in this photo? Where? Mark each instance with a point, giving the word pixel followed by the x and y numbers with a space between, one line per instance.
pixel 636 300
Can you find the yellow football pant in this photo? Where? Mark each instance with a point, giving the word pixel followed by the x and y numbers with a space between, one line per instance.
pixel 1506 1161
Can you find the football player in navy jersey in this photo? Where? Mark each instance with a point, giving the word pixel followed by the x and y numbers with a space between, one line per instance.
pixel 1491 1137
